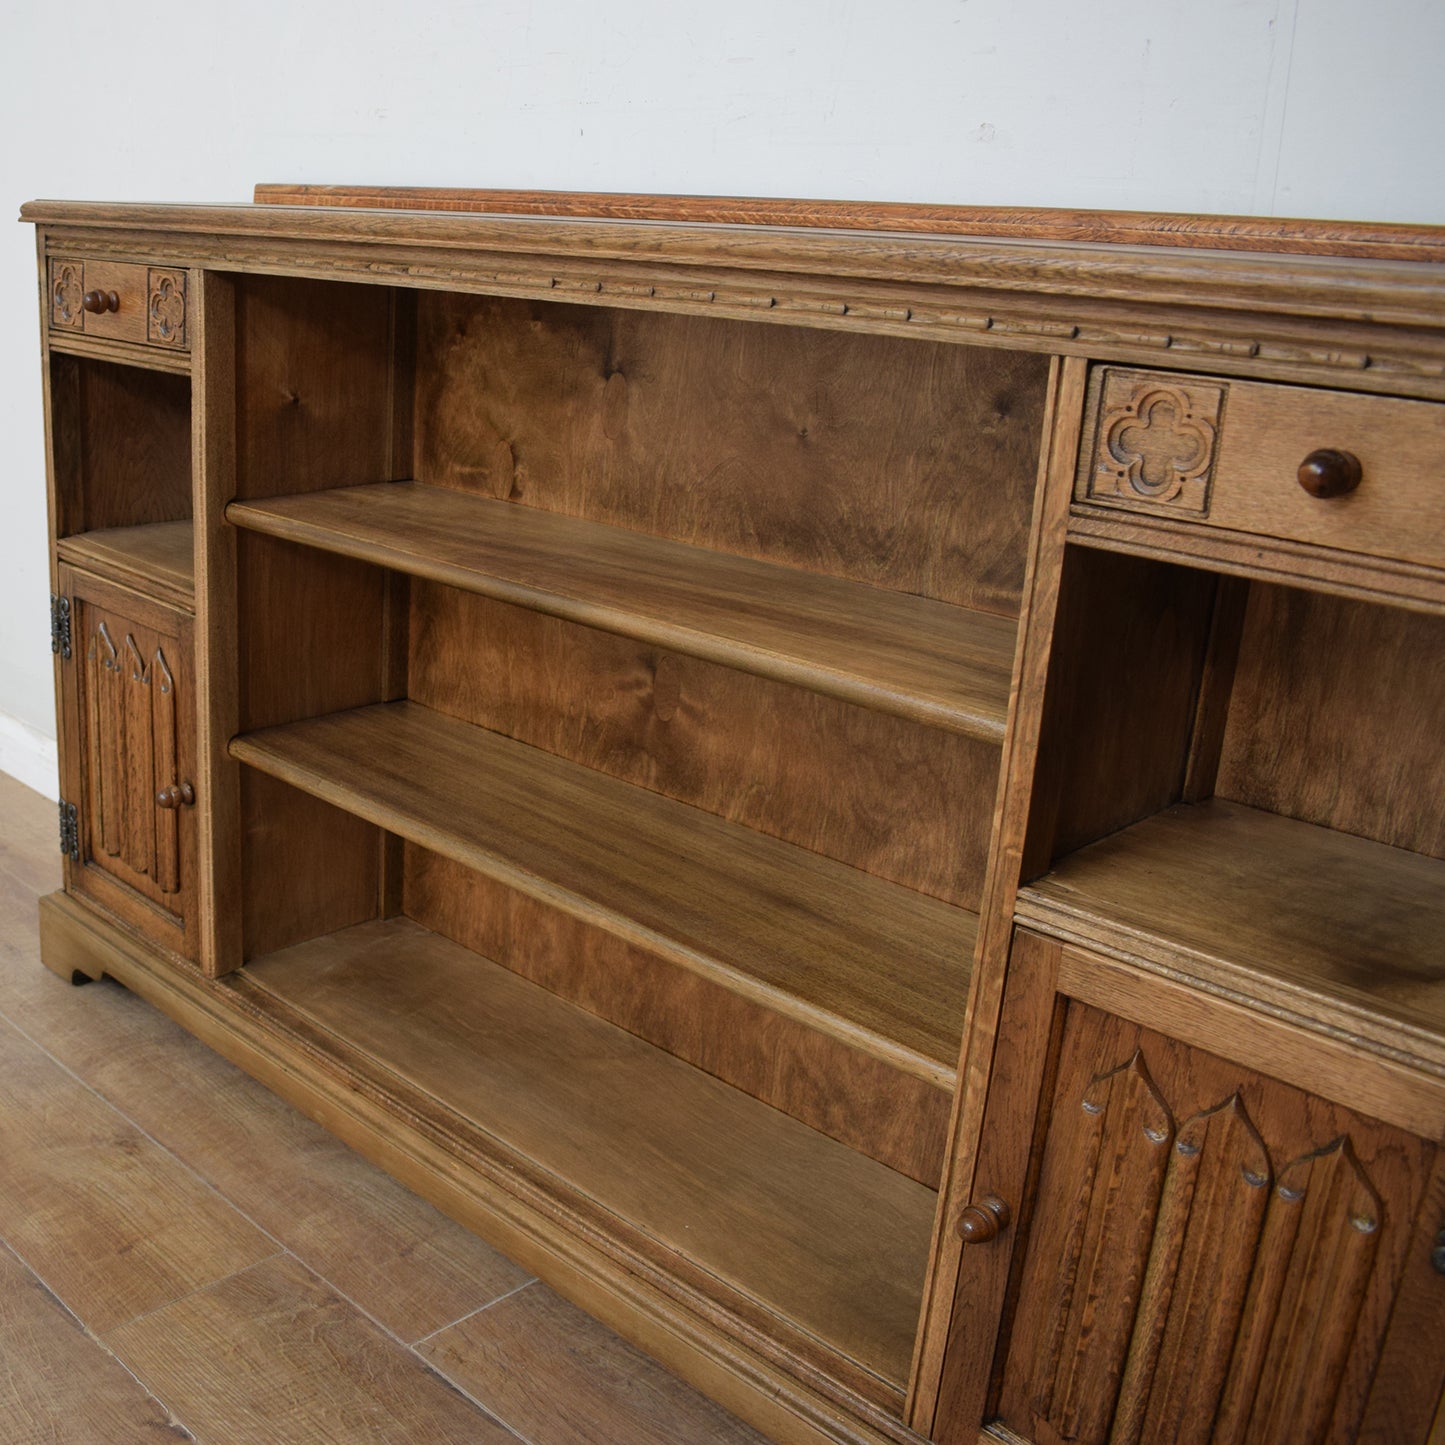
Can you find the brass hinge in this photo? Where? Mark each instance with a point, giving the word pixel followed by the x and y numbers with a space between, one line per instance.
pixel 69 830
pixel 60 625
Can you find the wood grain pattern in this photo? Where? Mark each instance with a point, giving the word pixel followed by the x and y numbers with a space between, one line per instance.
pixel 559 1378
pixel 158 558
pixel 672 1312
pixel 878 966
pixel 1063 420
pixel 903 466
pixel 944 665
pixel 1408 1393
pixel 125 289
pixel 309 631
pixel 1269 1038
pixel 56 1383
pixel 903 801
pixel 1271 559
pixel 310 639
pixel 829 1242
pixel 129 707
pixel 1323 678
pixel 1296 1322
pixel 125 353
pixel 212 327
pixel 408 1266
pixel 1323 321
pixel 1007 1161
pixel 1400 445
pixel 1131 228
pixel 309 868
pixel 314 386
pixel 274 1354
pixel 122 445
pixel 109 1220
pixel 1334 927
pixel 1078 1311
pixel 844 1093
pixel 1241 474
pixel 1120 705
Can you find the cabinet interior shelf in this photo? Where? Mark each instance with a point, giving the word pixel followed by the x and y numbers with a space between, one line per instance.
pixel 931 661
pixel 869 962
pixel 1337 929
pixel 158 558
pixel 830 1244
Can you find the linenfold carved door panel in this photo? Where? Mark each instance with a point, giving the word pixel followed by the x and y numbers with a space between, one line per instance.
pixel 130 727
pixel 1213 1255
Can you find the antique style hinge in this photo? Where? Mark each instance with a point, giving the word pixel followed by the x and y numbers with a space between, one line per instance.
pixel 69 830
pixel 60 625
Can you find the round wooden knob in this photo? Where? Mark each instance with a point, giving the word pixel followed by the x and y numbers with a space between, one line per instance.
pixel 1330 473
pixel 982 1221
pixel 99 302
pixel 176 795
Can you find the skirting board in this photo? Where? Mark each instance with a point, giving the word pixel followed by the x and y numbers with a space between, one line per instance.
pixel 29 756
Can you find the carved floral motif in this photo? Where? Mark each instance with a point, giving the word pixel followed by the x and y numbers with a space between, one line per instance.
pixel 166 307
pixel 67 286
pixel 1155 441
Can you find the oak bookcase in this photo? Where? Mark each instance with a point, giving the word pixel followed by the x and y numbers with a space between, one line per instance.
pixel 860 788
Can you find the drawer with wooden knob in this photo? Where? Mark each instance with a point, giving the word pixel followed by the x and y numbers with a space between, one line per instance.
pixel 1363 474
pixel 119 300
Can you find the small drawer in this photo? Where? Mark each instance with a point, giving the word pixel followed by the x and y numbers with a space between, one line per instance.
pixel 1237 455
pixel 119 300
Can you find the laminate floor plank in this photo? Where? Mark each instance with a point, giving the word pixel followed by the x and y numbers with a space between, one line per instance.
pixel 391 1252
pixel 557 1377
pixel 396 1256
pixel 273 1354
pixel 109 1220
pixel 57 1384
pixel 367 1246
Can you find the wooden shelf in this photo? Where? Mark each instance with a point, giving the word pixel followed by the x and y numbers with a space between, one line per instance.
pixel 939 664
pixel 701 1176
pixel 158 558
pixel 874 964
pixel 123 353
pixel 1340 931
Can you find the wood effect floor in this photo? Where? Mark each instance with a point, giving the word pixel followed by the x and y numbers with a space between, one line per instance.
pixel 183 1255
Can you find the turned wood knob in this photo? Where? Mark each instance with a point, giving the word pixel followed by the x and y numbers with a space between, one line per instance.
pixel 982 1221
pixel 99 302
pixel 176 795
pixel 1330 473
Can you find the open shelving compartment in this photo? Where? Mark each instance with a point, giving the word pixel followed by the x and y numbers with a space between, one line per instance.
pixel 1217 802
pixel 121 440
pixel 621 699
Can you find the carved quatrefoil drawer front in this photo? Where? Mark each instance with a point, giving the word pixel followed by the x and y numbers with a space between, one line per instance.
pixel 119 301
pixel 1154 441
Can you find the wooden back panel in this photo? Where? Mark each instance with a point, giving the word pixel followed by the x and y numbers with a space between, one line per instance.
pixel 904 464
pixel 323 386
pixel 1336 717
pixel 898 799
pixel 122 439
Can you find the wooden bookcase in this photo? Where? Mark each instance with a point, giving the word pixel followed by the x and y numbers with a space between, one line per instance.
pixel 814 773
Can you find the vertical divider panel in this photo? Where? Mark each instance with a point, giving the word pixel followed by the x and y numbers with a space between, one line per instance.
pixel 213 430
pixel 1063 423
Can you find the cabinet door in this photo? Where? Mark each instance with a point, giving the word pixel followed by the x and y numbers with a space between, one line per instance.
pixel 130 727
pixel 1198 1250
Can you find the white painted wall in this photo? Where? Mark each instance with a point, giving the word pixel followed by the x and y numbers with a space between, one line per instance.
pixel 1326 108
